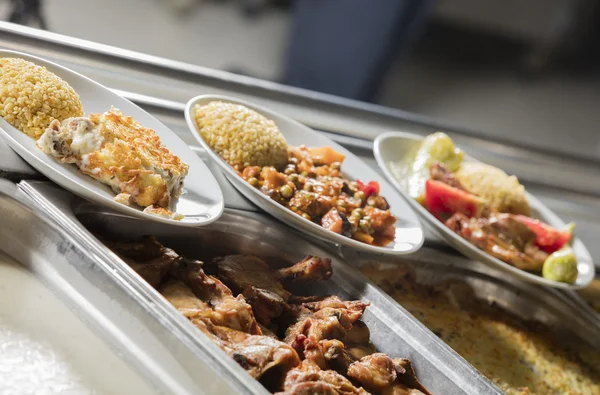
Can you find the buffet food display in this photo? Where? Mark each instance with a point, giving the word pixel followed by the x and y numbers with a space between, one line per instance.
pixel 307 181
pixel 484 206
pixel 111 147
pixel 291 343
pixel 295 325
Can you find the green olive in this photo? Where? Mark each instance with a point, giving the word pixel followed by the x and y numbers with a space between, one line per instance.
pixel 254 182
pixel 286 191
pixel 561 266
pixel 360 195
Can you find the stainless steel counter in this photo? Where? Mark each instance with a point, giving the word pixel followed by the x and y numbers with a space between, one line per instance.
pixel 569 185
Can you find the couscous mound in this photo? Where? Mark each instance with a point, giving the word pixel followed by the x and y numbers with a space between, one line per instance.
pixel 504 193
pixel 31 97
pixel 240 135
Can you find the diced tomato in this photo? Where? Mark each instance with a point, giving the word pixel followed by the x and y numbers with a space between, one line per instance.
pixel 372 187
pixel 443 200
pixel 547 238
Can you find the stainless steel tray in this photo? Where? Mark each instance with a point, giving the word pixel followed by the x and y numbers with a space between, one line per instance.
pixel 563 312
pixel 393 330
pixel 115 312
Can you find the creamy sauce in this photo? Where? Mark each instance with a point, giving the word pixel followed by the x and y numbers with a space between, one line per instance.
pixel 46 349
pixel 86 138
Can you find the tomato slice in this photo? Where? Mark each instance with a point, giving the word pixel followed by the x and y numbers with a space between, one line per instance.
pixel 443 200
pixel 372 187
pixel 549 239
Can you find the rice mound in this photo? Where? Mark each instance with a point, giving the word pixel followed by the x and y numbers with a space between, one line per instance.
pixel 31 97
pixel 240 135
pixel 504 193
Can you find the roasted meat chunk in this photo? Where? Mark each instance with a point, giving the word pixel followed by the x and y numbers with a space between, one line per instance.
pixel 240 272
pixel 326 349
pixel 379 374
pixel 502 237
pixel 228 310
pixel 310 269
pixel 266 359
pixel 325 381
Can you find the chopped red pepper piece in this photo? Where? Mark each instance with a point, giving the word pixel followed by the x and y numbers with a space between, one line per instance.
pixel 372 187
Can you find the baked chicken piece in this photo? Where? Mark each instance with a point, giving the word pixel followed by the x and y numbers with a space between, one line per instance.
pixel 121 153
pixel 311 379
pixel 263 357
pixel 326 348
pixel 379 374
pixel 264 288
pixel 310 269
pixel 227 310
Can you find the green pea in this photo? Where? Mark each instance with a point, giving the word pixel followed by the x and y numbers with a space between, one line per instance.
pixel 358 212
pixel 360 195
pixel 286 191
pixel 254 182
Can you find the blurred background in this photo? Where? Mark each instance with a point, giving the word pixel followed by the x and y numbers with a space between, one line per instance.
pixel 527 71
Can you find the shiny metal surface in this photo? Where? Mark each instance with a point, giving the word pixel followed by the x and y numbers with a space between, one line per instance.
pixel 114 310
pixel 393 330
pixel 563 311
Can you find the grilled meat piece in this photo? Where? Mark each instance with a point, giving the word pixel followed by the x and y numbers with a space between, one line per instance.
pixel 251 276
pixel 502 237
pixel 155 270
pixel 184 300
pixel 256 354
pixel 261 356
pixel 143 250
pixel 310 269
pixel 148 258
pixel 324 381
pixel 357 352
pixel 375 372
pixel 321 321
pixel 408 377
pixel 380 374
pixel 439 172
pixel 335 355
pixel 229 311
pixel 263 288
pixel 267 305
pixel 359 334
pixel 240 272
